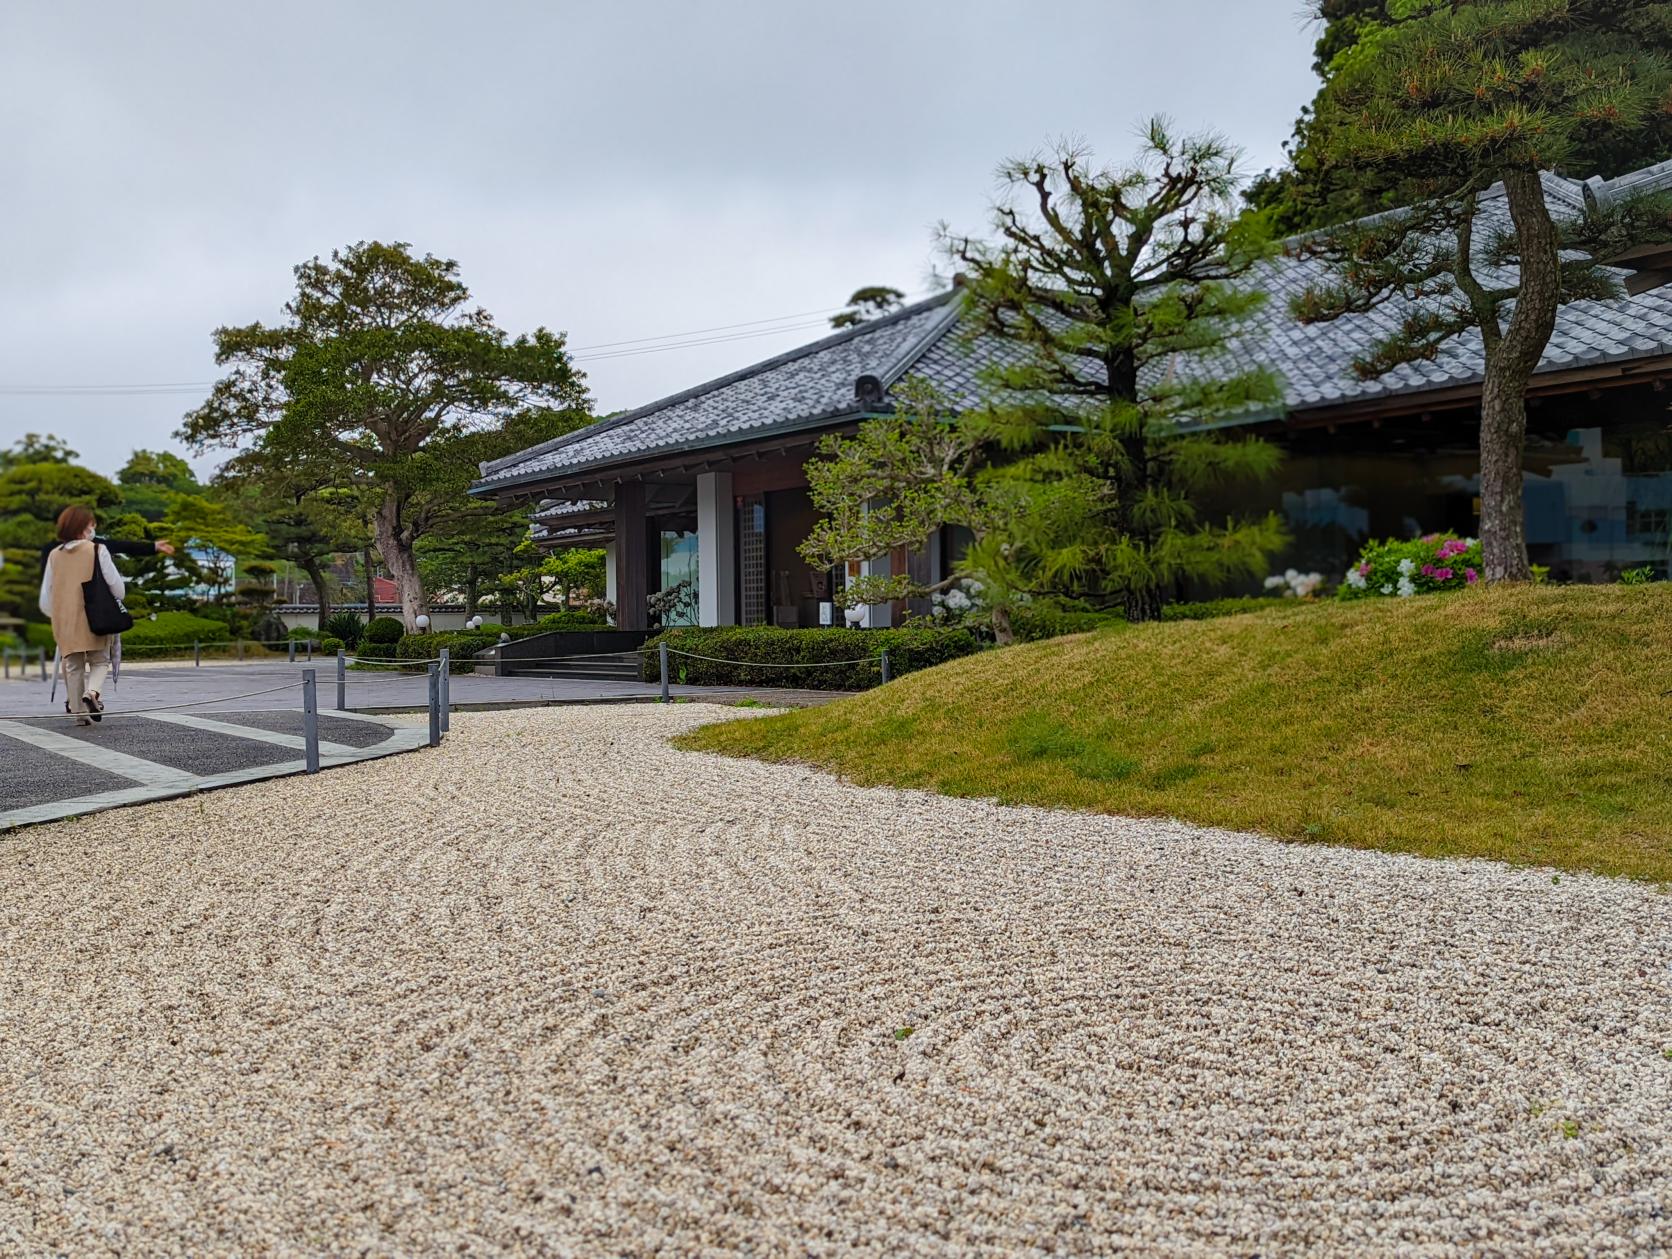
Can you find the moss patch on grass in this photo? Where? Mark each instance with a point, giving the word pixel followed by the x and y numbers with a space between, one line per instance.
pixel 1528 725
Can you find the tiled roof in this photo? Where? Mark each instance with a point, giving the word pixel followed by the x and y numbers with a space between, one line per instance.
pixel 829 379
pixel 803 385
pixel 547 521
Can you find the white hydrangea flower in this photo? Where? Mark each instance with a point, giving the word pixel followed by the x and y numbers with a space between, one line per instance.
pixel 1407 566
pixel 1387 590
pixel 1355 579
pixel 1406 588
pixel 1272 583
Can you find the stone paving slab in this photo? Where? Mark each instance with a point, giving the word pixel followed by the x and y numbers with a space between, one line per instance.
pixel 31 776
pixel 53 769
pixel 196 752
pixel 358 734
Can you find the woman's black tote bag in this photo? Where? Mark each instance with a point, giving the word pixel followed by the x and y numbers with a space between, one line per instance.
pixel 105 612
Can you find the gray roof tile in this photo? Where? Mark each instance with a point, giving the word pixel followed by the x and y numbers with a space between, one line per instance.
pixel 1314 362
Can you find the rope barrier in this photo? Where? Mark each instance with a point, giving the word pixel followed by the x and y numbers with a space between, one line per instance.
pixel 141 712
pixel 483 658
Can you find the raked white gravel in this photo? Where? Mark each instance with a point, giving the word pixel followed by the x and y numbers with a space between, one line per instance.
pixel 559 989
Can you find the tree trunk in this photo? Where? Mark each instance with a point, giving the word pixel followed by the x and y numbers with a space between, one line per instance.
pixel 396 548
pixel 1004 633
pixel 371 586
pixel 1509 370
pixel 1143 604
pixel 316 575
pixel 472 579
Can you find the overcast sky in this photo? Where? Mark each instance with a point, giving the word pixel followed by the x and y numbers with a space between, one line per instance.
pixel 617 170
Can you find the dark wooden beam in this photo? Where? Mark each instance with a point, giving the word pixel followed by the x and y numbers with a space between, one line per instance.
pixel 632 557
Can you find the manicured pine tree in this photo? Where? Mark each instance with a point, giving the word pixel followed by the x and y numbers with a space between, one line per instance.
pixel 1440 103
pixel 382 378
pixel 1114 291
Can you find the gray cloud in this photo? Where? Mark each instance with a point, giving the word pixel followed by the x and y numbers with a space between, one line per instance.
pixel 615 170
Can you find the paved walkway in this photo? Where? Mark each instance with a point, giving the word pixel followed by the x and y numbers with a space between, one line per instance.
pixel 173 729
pixel 219 686
pixel 52 768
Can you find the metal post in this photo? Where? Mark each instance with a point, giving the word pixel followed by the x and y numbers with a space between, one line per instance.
pixel 6 661
pixel 342 681
pixel 435 707
pixel 885 666
pixel 197 653
pixel 43 664
pixel 662 649
pixel 446 689
pixel 240 651
pixel 310 721
pixel 291 657
pixel 310 651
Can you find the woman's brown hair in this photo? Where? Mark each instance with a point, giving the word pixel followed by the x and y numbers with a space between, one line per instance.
pixel 73 522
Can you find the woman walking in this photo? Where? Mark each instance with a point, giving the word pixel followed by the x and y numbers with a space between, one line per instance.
pixel 86 655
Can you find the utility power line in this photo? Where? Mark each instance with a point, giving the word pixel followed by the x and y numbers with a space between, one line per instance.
pixel 603 351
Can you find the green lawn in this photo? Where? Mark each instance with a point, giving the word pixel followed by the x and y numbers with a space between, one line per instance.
pixel 1528 725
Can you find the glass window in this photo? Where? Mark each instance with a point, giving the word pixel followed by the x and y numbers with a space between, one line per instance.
pixel 679 564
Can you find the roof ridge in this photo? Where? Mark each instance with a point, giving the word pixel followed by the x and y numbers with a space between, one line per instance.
pixel 1600 191
pixel 908 358
pixel 1574 191
pixel 613 422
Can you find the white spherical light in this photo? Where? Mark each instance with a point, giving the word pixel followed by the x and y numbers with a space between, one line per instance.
pixel 421 621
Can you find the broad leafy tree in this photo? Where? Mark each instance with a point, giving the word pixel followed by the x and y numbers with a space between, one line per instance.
pixel 213 536
pixel 150 478
pixel 383 378
pixel 306 524
pixel 31 496
pixel 1115 290
pixel 1439 103
pixel 34 448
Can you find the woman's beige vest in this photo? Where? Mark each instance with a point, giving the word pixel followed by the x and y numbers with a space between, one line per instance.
pixel 71 565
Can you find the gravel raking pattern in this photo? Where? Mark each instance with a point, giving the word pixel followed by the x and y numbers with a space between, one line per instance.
pixel 557 988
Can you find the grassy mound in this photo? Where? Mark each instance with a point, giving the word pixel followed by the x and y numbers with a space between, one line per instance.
pixel 1527 725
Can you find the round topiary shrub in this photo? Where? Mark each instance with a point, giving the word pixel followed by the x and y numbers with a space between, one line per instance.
pixel 331 646
pixel 385 629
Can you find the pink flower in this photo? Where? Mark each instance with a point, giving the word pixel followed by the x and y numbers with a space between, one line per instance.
pixel 1442 574
pixel 1470 576
pixel 1429 537
pixel 1364 570
pixel 1427 570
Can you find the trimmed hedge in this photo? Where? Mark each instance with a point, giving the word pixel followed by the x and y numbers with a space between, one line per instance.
pixel 1036 622
pixel 462 644
pixel 1211 608
pixel 739 647
pixel 331 646
pixel 176 629
pixel 557 623
pixel 567 620
pixel 385 629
